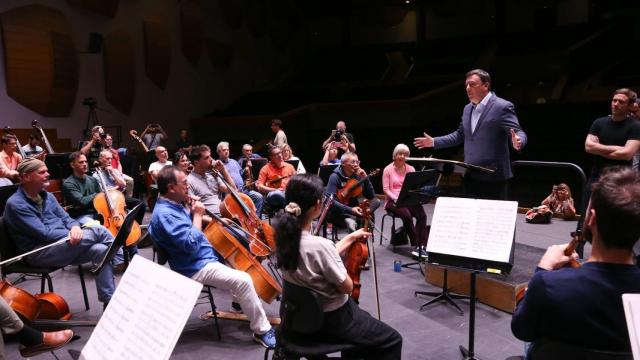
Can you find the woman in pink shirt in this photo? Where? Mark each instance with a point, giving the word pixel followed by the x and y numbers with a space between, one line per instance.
pixel 392 179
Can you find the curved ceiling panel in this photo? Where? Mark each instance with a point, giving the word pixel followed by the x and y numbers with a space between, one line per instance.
pixel 119 70
pixel 41 66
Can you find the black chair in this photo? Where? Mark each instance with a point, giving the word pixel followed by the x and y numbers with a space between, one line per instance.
pixel 163 258
pixel 302 316
pixel 553 350
pixel 393 225
pixel 8 251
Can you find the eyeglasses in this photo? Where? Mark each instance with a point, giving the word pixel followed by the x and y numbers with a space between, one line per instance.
pixel 354 162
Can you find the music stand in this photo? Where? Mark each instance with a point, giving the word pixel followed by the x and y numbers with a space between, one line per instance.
pixel 447 167
pixel 256 165
pixel 412 194
pixel 120 238
pixel 58 165
pixel 293 163
pixel 325 171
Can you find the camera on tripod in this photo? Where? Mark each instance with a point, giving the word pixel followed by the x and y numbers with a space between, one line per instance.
pixel 89 101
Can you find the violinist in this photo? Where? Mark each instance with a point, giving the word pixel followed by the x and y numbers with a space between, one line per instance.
pixel 115 179
pixel 342 215
pixel 34 218
pixel 202 183
pixel 32 341
pixel 9 157
pixel 247 155
pixel 190 253
pixel 314 262
pixel 235 172
pixel 273 178
pixel 582 306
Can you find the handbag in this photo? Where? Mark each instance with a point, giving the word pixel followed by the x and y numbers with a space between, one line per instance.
pixel 539 215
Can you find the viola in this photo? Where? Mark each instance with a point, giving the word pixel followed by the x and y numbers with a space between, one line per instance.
pixel 110 203
pixel 220 236
pixel 240 207
pixel 357 255
pixel 353 188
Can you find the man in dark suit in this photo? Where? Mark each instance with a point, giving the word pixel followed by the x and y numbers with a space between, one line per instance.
pixel 488 125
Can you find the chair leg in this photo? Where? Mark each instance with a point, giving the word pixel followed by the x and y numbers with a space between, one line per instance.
pixel 84 287
pixel 382 227
pixel 213 311
pixel 42 281
pixel 49 282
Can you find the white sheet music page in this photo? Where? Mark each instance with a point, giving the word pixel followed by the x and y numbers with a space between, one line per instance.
pixel 631 303
pixel 145 316
pixel 480 229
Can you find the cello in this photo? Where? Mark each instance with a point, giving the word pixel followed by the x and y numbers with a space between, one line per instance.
pixel 239 206
pixel 110 203
pixel 220 236
pixel 357 255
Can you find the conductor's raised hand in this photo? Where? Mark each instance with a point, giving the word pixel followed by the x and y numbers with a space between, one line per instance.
pixel 423 142
pixel 516 142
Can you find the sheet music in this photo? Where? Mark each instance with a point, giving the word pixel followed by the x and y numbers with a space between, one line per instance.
pixel 480 229
pixel 631 304
pixel 145 316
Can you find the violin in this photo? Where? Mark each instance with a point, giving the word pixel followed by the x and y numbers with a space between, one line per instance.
pixel 220 236
pixel 353 188
pixel 110 203
pixel 248 175
pixel 356 257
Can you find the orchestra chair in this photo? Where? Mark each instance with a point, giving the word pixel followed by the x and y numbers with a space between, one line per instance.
pixel 8 250
pixel 163 258
pixel 393 226
pixel 554 350
pixel 301 317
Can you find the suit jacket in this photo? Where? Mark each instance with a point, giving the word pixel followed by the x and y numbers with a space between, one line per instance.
pixel 489 145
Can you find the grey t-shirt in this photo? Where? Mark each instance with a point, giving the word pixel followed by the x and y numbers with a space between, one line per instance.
pixel 205 187
pixel 320 268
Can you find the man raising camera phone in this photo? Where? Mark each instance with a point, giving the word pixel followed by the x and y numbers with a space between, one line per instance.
pixel 340 139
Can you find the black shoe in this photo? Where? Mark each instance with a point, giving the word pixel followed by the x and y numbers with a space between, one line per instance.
pixel 236 308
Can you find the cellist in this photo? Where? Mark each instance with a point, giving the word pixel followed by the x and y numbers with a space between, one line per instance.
pixel 314 262
pixel 190 253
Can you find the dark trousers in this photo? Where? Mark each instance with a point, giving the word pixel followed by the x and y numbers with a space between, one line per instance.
pixel 131 202
pixel 491 190
pixel 348 221
pixel 418 233
pixel 353 325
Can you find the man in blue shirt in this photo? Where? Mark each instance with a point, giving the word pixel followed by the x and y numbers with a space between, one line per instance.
pixel 190 253
pixel 34 218
pixel 583 306
pixel 235 171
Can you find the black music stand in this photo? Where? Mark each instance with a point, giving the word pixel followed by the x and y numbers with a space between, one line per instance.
pixel 58 165
pixel 293 163
pixel 325 171
pixel 256 165
pixel 412 193
pixel 120 238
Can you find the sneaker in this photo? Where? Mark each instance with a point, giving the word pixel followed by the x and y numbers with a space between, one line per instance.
pixel 267 339
pixel 236 308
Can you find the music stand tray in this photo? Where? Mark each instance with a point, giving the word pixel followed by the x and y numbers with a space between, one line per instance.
pixel 293 163
pixel 256 165
pixel 120 238
pixel 411 192
pixel 325 171
pixel 58 165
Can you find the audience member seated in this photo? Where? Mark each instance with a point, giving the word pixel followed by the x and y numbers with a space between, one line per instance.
pixel 287 154
pixel 273 178
pixel 392 180
pixel 345 214
pixel 183 144
pixel 79 190
pixel 583 306
pixel 561 202
pixel 34 218
pixel 163 160
pixel 190 253
pixel 235 171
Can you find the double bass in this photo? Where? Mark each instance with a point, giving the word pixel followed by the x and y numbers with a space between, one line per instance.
pixel 110 203
pixel 47 144
pixel 220 235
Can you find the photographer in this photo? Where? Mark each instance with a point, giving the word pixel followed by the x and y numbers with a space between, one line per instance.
pixel 153 135
pixel 92 148
pixel 340 138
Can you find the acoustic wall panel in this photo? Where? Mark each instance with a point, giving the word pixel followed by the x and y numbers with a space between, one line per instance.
pixel 119 70
pixel 157 52
pixel 41 65
pixel 220 54
pixel 191 30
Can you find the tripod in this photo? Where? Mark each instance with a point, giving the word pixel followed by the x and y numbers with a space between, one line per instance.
pixel 92 116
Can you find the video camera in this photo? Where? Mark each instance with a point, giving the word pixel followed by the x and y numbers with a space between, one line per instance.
pixel 89 101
